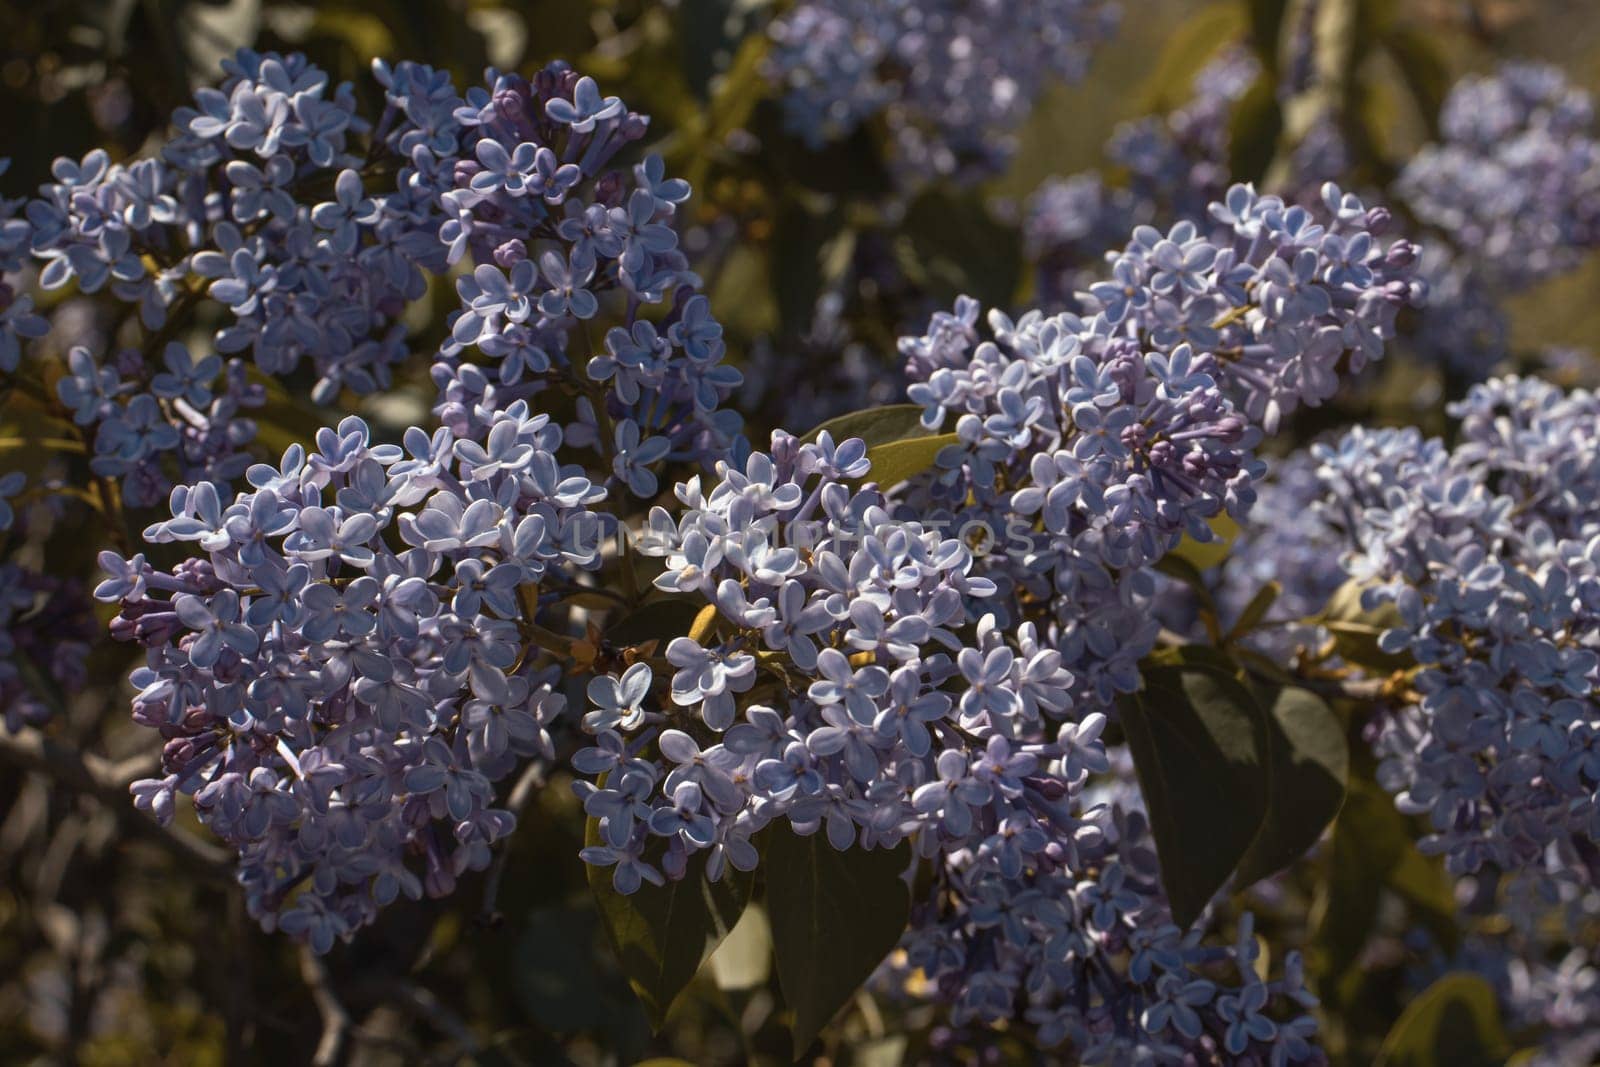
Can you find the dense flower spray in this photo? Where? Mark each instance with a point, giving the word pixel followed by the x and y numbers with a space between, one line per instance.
pixel 952 79
pixel 341 672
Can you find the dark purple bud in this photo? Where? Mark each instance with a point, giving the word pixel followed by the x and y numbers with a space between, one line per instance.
pixel 1401 254
pixel 511 253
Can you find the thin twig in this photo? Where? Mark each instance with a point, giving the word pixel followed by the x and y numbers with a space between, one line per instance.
pixel 335 1019
pixel 421 1000
pixel 532 779
pixel 105 782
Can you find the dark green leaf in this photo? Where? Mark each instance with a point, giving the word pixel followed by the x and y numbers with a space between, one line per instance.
pixel 799 238
pixel 1372 851
pixel 956 247
pixel 1454 1022
pixel 1266 25
pixel 556 981
pixel 1198 657
pixel 1197 738
pixel 663 933
pixel 1253 130
pixel 875 426
pixel 834 915
pixel 1308 766
pixel 660 620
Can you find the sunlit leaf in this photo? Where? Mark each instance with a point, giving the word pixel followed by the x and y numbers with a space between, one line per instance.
pixel 875 426
pixel 895 461
pixel 1454 1023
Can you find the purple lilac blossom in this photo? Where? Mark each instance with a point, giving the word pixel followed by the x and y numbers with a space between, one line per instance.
pixel 340 671
pixel 1489 553
pixel 953 79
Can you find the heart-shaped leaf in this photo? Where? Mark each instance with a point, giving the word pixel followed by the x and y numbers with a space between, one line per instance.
pixel 834 917
pixel 663 933
pixel 1198 740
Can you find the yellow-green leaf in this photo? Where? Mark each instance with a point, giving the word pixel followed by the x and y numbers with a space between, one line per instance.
pixel 1455 1022
pixel 1204 554
pixel 895 461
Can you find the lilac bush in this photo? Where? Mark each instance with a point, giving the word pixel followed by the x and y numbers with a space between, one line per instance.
pixel 423 483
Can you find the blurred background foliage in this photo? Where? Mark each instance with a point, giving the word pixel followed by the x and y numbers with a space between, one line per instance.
pixel 113 958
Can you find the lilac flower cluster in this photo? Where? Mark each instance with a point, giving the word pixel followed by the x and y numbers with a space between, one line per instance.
pixel 358 650
pixel 952 79
pixel 1174 166
pixel 229 214
pixel 1095 960
pixel 19 322
pixel 1102 441
pixel 1516 177
pixel 552 235
pixel 862 673
pixel 1559 999
pixel 341 677
pixel 1509 197
pixel 815 695
pixel 1489 554
pixel 835 686
pixel 1514 187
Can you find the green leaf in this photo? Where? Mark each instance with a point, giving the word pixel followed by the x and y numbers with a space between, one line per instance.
pixel 1205 554
pixel 1187 50
pixel 1355 630
pixel 1455 1021
pixel 1309 763
pixel 1266 25
pixel 556 982
pixel 663 933
pixel 1424 69
pixel 895 461
pixel 1255 611
pixel 1371 852
pixel 800 239
pixel 1253 130
pixel 744 959
pixel 1197 738
pixel 875 426
pixel 835 916
pixel 955 246
pixel 1198 657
